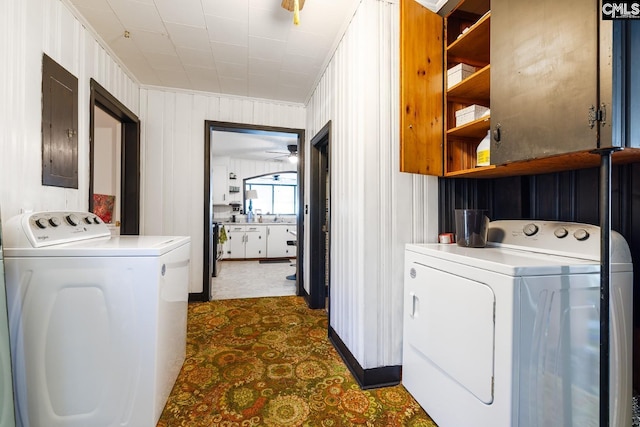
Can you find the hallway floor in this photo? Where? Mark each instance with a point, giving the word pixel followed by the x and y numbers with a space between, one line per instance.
pixel 250 279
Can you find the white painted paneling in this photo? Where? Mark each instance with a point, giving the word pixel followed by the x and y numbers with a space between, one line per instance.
pixel 173 150
pixel 29 28
pixel 375 209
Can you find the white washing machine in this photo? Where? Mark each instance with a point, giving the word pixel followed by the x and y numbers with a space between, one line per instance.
pixel 508 335
pixel 97 323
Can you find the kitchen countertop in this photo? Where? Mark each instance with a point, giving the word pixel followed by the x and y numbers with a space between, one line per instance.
pixel 258 223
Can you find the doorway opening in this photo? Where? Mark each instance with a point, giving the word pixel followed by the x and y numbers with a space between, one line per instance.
pixel 121 174
pixel 319 220
pixel 222 186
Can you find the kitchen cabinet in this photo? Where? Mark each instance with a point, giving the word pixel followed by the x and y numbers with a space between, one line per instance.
pixel 219 184
pixel 544 69
pixel 277 237
pixel 246 241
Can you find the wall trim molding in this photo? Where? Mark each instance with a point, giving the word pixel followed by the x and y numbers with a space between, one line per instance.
pixel 384 376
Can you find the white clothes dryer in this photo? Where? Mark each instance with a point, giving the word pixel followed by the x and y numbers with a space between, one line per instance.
pixel 97 323
pixel 508 335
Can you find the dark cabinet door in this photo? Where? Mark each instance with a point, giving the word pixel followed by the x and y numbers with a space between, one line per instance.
pixel 545 78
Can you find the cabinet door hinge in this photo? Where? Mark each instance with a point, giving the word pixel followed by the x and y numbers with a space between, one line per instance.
pixel 597 115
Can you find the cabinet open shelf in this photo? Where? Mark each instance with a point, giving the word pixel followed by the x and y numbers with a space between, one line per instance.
pixel 475 129
pixel 475 87
pixel 470 47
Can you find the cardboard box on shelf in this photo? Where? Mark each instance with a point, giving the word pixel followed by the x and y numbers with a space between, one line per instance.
pixel 470 113
pixel 458 73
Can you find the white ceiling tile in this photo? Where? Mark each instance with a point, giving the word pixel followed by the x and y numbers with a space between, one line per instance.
pixel 185 12
pixel 237 10
pixel 237 47
pixel 269 24
pixel 228 31
pixel 135 15
pixel 162 61
pixel 186 36
pixel 153 42
pixel 104 22
pixel 261 67
pixel 195 57
pixel 92 4
pixel 263 86
pixel 289 93
pixel 233 86
pixel 142 70
pixel 295 79
pixel 174 78
pixel 308 44
pixel 300 64
pixel 264 4
pixel 204 79
pixel 230 70
pixel 126 48
pixel 229 53
pixel 272 50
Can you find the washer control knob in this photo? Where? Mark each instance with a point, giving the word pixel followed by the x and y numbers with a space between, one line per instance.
pixel 530 229
pixel 41 223
pixel 72 219
pixel 87 219
pixel 561 232
pixel 581 234
pixel 54 221
pixel 96 220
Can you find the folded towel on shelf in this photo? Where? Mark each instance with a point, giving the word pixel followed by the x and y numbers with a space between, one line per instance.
pixel 222 235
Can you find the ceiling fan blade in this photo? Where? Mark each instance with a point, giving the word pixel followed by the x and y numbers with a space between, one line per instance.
pixel 288 4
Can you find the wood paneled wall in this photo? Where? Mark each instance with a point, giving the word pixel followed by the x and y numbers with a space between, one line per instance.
pixel 29 28
pixel 172 144
pixel 374 209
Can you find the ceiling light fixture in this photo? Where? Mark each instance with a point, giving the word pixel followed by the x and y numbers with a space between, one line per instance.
pixel 293 158
pixel 294 6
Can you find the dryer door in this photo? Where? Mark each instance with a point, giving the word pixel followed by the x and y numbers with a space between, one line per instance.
pixel 451 323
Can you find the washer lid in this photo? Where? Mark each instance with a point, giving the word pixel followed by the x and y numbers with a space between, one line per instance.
pixel 513 262
pixel 119 246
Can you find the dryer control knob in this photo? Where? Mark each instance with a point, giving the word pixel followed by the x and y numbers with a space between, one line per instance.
pixel 561 232
pixel 87 219
pixel 581 234
pixel 54 221
pixel 72 219
pixel 530 229
pixel 41 223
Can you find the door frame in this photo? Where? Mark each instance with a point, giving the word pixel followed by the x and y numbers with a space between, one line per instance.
pixel 320 200
pixel 130 157
pixel 210 126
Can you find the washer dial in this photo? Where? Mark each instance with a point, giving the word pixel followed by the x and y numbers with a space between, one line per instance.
pixel 581 234
pixel 561 232
pixel 530 229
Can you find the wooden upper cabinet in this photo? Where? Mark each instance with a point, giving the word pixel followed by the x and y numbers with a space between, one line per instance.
pixel 421 89
pixel 431 141
pixel 557 85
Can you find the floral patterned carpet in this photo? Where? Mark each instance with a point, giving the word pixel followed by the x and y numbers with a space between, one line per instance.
pixel 268 362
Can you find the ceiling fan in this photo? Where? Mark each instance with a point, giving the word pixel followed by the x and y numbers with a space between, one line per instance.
pixel 292 155
pixel 294 6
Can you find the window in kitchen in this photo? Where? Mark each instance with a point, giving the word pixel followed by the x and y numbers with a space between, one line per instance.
pixel 276 194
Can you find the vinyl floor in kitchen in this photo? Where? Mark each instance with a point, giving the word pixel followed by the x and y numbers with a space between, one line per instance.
pixel 250 279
